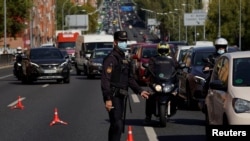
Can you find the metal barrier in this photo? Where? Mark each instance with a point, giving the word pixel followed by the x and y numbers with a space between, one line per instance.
pixel 6 59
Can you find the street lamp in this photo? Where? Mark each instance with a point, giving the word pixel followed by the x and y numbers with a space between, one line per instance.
pixel 63 13
pixel 219 21
pixel 179 22
pixel 240 28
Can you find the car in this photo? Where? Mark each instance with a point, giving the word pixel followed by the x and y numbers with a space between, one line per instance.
pixel 176 44
pixel 94 65
pixel 49 64
pixel 142 55
pixel 190 88
pixel 228 99
pixel 180 52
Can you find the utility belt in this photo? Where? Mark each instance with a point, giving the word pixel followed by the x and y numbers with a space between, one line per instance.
pixel 119 92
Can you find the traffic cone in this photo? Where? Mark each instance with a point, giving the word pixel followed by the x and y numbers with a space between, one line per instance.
pixel 56 119
pixel 19 104
pixel 130 134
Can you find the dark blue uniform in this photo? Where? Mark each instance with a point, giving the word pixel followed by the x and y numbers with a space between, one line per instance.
pixel 115 80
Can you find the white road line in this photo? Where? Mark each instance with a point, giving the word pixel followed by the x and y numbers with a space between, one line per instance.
pixel 135 98
pixel 15 102
pixel 6 76
pixel 151 134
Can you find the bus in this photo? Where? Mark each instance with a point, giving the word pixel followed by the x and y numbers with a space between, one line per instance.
pixel 85 44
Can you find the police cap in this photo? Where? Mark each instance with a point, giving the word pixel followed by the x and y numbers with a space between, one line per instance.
pixel 120 36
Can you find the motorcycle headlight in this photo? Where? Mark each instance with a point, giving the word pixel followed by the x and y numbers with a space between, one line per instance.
pixel 241 105
pixel 158 88
pixel 168 88
pixel 199 80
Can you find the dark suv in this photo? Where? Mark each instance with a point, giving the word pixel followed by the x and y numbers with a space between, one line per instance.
pixel 190 85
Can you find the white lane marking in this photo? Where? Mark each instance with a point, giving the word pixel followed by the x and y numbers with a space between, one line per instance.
pixel 45 85
pixel 151 134
pixel 6 76
pixel 15 102
pixel 135 98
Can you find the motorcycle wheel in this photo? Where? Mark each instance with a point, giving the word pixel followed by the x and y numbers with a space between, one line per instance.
pixel 162 115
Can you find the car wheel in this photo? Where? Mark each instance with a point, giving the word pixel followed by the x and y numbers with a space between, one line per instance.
pixel 59 81
pixel 191 103
pixel 66 80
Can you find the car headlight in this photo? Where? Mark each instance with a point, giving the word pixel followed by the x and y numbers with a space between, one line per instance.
pixel 199 80
pixel 63 64
pixel 241 105
pixel 96 64
pixel 158 88
pixel 168 88
pixel 34 64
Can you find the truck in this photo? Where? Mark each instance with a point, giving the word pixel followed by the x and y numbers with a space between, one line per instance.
pixel 66 40
pixel 85 45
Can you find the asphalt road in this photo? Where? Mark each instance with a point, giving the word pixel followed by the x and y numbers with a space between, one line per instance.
pixel 80 104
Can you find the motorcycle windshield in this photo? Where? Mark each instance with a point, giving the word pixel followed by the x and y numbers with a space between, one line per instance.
pixel 164 70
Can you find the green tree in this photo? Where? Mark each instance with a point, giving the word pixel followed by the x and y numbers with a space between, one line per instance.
pixel 16 16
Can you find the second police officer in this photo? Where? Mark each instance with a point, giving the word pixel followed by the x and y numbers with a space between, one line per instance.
pixel 116 78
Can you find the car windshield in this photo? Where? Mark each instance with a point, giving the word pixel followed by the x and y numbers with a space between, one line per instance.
pixel 182 53
pixel 45 54
pixel 149 52
pixel 199 56
pixel 241 69
pixel 100 53
pixel 91 46
pixel 66 45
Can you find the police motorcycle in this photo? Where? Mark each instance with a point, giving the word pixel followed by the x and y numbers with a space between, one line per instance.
pixel 163 88
pixel 17 69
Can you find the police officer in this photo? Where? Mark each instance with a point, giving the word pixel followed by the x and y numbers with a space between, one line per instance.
pixel 163 49
pixel 116 78
pixel 221 46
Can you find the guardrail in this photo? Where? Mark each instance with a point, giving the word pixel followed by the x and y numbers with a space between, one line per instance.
pixel 6 59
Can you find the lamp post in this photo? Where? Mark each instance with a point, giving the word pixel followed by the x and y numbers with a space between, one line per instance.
pixel 179 22
pixel 5 28
pixel 63 13
pixel 219 32
pixel 240 28
pixel 171 12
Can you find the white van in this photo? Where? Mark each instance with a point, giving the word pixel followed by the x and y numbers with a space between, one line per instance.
pixel 85 44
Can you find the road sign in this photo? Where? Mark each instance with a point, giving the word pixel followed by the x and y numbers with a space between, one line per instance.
pixel 194 19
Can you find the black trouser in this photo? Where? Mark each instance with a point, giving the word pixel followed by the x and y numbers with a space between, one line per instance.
pixel 150 106
pixel 116 118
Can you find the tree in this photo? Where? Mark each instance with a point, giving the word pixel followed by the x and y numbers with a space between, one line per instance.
pixel 16 16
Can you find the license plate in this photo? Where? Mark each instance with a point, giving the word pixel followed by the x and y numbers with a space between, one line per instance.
pixel 49 71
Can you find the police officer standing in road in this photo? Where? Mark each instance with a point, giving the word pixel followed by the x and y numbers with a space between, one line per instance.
pixel 115 80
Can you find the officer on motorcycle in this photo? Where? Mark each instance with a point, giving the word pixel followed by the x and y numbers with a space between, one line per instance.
pixel 163 49
pixel 18 60
pixel 221 45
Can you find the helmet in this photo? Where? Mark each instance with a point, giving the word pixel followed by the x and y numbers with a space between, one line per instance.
pixel 163 48
pixel 221 43
pixel 19 49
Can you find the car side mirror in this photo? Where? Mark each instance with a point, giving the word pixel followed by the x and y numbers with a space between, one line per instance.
pixel 217 85
pixel 145 65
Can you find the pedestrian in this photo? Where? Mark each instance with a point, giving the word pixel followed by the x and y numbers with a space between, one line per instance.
pixel 116 78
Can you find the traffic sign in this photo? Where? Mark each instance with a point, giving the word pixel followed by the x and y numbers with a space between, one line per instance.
pixel 194 19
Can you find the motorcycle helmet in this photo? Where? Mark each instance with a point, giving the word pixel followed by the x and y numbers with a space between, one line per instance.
pixel 19 49
pixel 221 45
pixel 163 48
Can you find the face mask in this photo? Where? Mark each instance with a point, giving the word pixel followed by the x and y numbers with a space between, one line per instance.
pixel 221 51
pixel 122 45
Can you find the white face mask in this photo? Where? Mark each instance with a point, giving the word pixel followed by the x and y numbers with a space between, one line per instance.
pixel 122 45
pixel 221 51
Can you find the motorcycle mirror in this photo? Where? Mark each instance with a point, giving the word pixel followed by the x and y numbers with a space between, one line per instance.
pixel 145 65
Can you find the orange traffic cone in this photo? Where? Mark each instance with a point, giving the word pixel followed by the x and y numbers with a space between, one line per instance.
pixel 19 104
pixel 130 135
pixel 56 119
